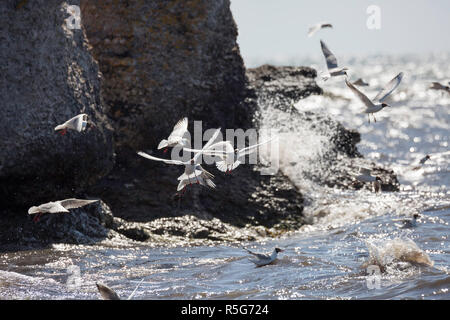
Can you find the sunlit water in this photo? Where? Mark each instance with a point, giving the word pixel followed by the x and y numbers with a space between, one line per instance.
pixel 350 231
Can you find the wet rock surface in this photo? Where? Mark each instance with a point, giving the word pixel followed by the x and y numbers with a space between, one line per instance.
pixel 160 62
pixel 277 90
pixel 163 60
pixel 47 76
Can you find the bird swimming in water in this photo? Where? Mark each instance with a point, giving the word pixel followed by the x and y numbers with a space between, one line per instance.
pixel 408 222
pixel 262 259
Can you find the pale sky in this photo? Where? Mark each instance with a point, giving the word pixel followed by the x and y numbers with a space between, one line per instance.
pixel 278 28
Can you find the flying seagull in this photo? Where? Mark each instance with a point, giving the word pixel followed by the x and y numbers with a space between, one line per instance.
pixel 421 162
pixel 379 99
pixel 332 65
pixel 77 123
pixel 313 29
pixel 60 206
pixel 177 137
pixel 230 157
pixel 262 259
pixel 438 86
pixel 193 171
pixel 361 83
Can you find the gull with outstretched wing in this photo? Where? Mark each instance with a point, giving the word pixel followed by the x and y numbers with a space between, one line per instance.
pixel 77 123
pixel 177 136
pixel 377 104
pixel 321 25
pixel 332 65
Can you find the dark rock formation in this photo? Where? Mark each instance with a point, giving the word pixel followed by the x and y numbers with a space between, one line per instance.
pixel 163 60
pixel 47 77
pixel 326 150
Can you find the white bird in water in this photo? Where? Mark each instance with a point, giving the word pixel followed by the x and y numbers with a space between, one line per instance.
pixel 262 259
pixel 177 137
pixel 193 171
pixel 365 176
pixel 379 99
pixel 77 123
pixel 360 83
pixel 408 222
pixel 60 206
pixel 230 157
pixel 332 65
pixel 321 25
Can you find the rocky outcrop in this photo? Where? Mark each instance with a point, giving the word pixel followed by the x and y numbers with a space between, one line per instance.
pixel 319 148
pixel 47 76
pixel 163 60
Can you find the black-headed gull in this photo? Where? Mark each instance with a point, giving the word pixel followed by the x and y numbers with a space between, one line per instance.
pixel 313 29
pixel 408 222
pixel 438 86
pixel 177 136
pixel 332 65
pixel 379 99
pixel 60 206
pixel 262 259
pixel 365 176
pixel 77 123
pixel 230 157
pixel 193 171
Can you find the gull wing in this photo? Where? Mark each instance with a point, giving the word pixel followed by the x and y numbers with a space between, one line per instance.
pixel 360 82
pixel 208 144
pixel 360 95
pixel 219 149
pixel 313 29
pixel 260 256
pixel 168 161
pixel 53 207
pixel 179 129
pixel 75 203
pixel 251 149
pixel 329 56
pixel 388 88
